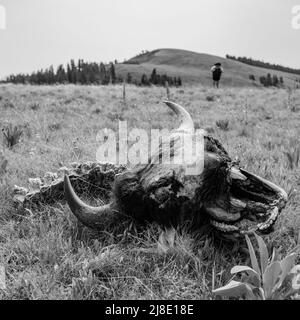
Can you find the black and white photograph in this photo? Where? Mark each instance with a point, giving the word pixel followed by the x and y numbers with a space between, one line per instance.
pixel 150 153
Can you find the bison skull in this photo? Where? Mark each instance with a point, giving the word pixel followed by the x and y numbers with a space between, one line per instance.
pixel 232 200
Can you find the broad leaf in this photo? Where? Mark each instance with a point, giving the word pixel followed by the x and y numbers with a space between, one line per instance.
pixel 270 277
pixel 253 258
pixel 286 265
pixel 170 236
pixel 296 282
pixel 235 289
pixel 275 255
pixel 166 240
pixel 237 269
pixel 263 251
pixel 254 277
pixel 296 269
pixel 295 272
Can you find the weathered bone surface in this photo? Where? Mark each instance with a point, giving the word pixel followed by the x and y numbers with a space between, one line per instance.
pixel 232 200
pixel 89 179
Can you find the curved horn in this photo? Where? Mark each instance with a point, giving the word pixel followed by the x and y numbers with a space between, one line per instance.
pixel 92 217
pixel 187 124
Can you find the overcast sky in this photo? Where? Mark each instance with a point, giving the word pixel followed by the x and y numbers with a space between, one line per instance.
pixel 43 32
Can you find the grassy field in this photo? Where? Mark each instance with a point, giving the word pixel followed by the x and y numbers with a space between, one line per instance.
pixel 47 256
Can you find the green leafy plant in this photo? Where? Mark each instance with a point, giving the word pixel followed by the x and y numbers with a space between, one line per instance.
pixel 223 124
pixel 12 135
pixel 210 98
pixel 271 279
pixel 293 157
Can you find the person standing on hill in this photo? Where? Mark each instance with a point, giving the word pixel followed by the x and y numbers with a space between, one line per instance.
pixel 216 71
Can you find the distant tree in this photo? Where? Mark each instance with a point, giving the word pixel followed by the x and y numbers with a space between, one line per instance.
pixel 50 74
pixel 81 76
pixel 61 76
pixel 268 80
pixel 112 73
pixel 144 80
pixel 252 77
pixel 263 64
pixel 275 80
pixel 164 79
pixel 129 78
pixel 87 73
pixel 281 80
pixel 170 81
pixel 262 80
pixel 158 79
pixel 69 73
pixel 153 77
pixel 73 76
pixel 104 77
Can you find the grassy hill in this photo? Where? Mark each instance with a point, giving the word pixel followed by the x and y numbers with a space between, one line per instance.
pixel 194 67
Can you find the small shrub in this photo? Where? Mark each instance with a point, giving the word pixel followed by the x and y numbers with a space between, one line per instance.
pixel 244 132
pixel 34 106
pixel 27 130
pixel 294 108
pixel 8 105
pixel 69 100
pixel 12 135
pixel 268 117
pixel 269 145
pixel 223 124
pixel 54 126
pixel 209 130
pixel 272 279
pixel 97 111
pixel 210 98
pixel 293 157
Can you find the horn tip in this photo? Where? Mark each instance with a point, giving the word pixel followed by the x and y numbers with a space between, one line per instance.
pixel 66 177
pixel 285 196
pixel 67 183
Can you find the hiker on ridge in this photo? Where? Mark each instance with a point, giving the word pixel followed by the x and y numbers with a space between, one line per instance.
pixel 216 71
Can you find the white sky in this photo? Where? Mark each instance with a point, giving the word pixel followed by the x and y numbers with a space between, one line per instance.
pixel 43 32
